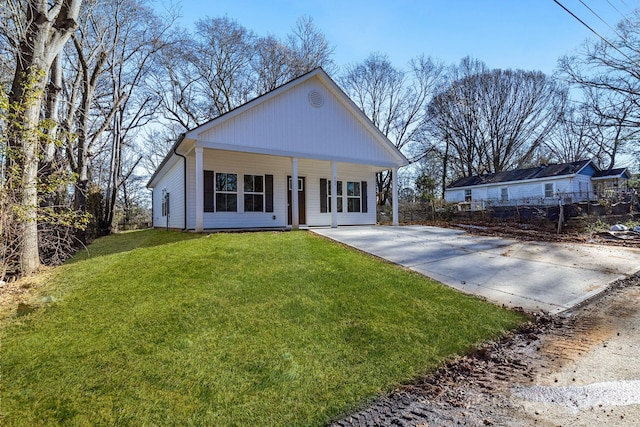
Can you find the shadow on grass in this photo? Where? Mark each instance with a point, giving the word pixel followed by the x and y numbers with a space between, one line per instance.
pixel 128 241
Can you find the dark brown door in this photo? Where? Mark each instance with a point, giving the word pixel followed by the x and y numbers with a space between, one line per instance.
pixel 302 206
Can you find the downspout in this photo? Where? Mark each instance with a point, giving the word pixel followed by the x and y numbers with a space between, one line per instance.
pixel 184 180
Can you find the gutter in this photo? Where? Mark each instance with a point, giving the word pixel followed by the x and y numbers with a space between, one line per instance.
pixel 184 178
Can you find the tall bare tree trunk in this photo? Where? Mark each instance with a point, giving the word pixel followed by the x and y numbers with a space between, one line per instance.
pixel 48 29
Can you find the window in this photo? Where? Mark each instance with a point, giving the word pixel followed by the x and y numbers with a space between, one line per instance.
pixel 300 184
pixel 504 194
pixel 467 195
pixel 548 190
pixel 325 195
pixel 226 192
pixel 253 193
pixel 338 193
pixel 353 196
pixel 165 203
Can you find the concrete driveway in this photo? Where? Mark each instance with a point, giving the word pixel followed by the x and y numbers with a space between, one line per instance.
pixel 537 276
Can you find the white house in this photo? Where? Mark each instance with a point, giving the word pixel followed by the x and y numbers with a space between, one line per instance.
pixel 302 154
pixel 543 185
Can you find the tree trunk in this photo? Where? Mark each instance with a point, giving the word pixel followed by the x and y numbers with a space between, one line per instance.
pixel 48 29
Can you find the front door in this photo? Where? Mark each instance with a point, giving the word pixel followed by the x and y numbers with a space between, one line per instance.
pixel 302 206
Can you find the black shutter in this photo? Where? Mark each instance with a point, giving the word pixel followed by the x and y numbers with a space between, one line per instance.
pixel 209 183
pixel 363 190
pixel 323 195
pixel 268 193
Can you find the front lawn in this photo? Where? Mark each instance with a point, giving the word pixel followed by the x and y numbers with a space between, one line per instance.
pixel 260 329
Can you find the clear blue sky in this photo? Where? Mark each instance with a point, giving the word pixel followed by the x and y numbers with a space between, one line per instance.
pixel 526 34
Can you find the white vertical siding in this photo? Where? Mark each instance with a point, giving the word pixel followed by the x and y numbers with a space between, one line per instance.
pixel 173 183
pixel 288 123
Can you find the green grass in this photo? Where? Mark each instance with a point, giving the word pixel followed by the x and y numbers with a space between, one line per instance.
pixel 260 329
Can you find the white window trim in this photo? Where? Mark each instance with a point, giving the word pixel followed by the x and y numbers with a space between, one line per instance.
pixel 359 196
pixel 217 191
pixel 262 193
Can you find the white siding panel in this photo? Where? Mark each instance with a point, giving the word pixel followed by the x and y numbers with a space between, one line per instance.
pixel 173 183
pixel 454 195
pixel 289 123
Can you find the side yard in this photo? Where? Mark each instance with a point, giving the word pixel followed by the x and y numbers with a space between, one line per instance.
pixel 157 327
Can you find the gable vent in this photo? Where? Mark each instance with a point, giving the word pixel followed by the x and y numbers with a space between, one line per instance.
pixel 316 99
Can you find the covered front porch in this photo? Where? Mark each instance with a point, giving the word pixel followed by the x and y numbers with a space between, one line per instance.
pixel 232 189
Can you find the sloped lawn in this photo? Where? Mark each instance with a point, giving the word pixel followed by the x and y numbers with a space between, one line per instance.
pixel 259 329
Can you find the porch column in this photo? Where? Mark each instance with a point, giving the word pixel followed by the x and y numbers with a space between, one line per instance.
pixel 394 181
pixel 295 220
pixel 199 190
pixel 334 194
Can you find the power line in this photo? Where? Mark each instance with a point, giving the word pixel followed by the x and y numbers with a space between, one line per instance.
pixel 605 22
pixel 594 31
pixel 618 10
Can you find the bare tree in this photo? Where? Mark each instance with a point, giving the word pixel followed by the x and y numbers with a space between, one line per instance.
pixel 139 34
pixel 394 100
pixel 271 64
pixel 608 72
pixel 572 139
pixel 223 63
pixel 309 48
pixel 38 30
pixel 493 120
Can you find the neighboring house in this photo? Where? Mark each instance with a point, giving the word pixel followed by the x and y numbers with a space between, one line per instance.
pixel 543 185
pixel 609 182
pixel 302 154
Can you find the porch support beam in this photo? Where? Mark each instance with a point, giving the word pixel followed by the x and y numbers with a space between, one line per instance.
pixel 394 201
pixel 334 194
pixel 199 190
pixel 295 220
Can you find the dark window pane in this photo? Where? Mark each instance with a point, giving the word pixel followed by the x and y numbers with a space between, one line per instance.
pixel 232 182
pixel 353 204
pixel 253 202
pixel 349 188
pixel 258 187
pixel 232 202
pixel 248 184
pixel 226 202
pixel 221 180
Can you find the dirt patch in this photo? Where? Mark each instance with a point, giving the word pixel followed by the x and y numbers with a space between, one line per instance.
pixel 19 295
pixel 532 232
pixel 589 350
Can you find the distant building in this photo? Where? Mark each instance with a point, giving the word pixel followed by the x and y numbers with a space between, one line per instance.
pixel 579 181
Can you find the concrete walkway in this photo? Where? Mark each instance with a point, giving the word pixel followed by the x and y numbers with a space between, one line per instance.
pixel 537 276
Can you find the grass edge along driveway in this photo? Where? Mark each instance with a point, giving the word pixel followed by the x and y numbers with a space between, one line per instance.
pixel 262 329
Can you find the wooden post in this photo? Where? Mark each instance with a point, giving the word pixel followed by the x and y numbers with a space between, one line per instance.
pixel 560 218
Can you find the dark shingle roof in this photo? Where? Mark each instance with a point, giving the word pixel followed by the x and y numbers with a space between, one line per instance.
pixel 611 173
pixel 543 171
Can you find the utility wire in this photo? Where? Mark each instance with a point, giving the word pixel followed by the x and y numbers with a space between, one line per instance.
pixel 595 32
pixel 605 22
pixel 618 10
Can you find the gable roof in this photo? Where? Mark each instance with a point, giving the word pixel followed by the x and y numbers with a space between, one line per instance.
pixel 200 134
pixel 542 171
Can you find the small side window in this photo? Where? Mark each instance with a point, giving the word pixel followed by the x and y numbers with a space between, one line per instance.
pixel 467 195
pixel 548 190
